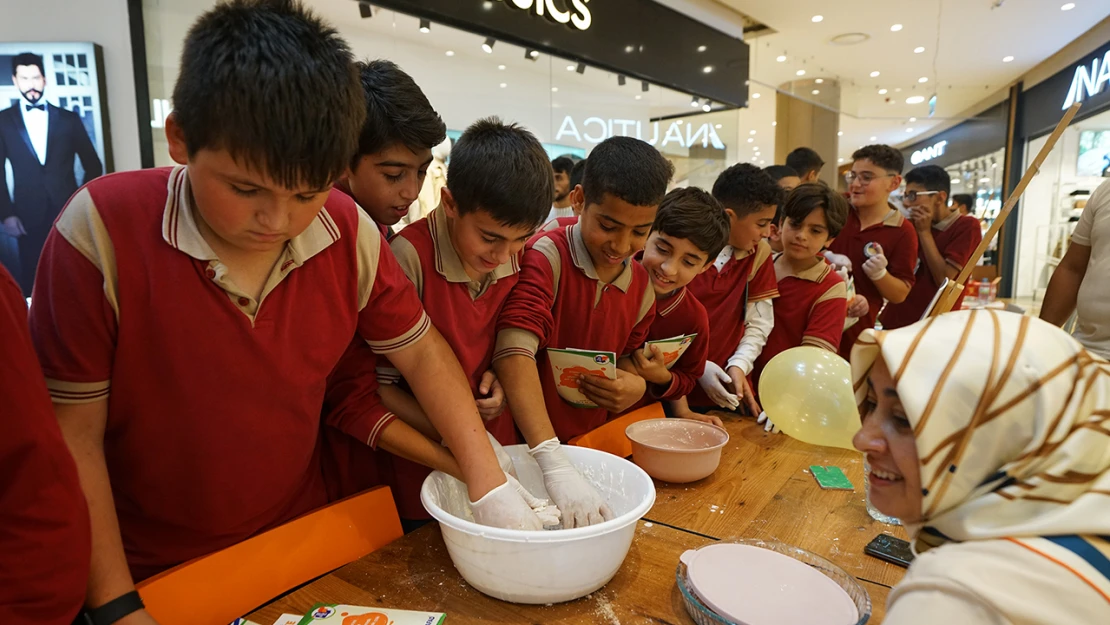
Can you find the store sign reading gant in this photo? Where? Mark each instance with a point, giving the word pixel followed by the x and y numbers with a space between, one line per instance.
pixel 595 130
pixel 577 14
pixel 1086 84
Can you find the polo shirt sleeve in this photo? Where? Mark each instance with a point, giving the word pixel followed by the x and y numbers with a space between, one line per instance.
pixel 902 256
pixel 351 401
pixel 825 324
pixel 391 317
pixel 644 317
pixel 526 321
pixel 690 367
pixel 75 312
pixel 762 284
pixel 1099 199
pixel 45 543
pixel 963 242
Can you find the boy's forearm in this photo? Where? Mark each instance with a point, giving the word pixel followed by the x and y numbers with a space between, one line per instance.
pixel 399 439
pixel 892 289
pixel 437 380
pixel 521 381
pixel 934 260
pixel 1063 288
pixel 408 410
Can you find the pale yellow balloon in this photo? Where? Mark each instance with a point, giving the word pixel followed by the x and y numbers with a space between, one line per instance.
pixel 807 393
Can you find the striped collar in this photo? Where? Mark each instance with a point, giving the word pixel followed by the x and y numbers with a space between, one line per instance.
pixel 580 254
pixel 947 222
pixel 180 230
pixel 448 263
pixel 815 273
pixel 672 302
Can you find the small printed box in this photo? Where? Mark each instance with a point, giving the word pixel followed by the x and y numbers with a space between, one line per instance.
pixel 330 614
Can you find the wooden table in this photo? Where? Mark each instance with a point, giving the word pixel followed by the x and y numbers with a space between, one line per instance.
pixel 761 490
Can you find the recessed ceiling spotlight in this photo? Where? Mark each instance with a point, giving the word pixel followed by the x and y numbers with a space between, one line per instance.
pixel 773 124
pixel 817 18
pixel 531 54
pixel 800 72
pixel 638 96
pixel 874 138
pixel 913 119
pixel 919 49
pixel 762 162
pixel 488 44
pixel 815 92
pixel 570 68
pixel 708 69
pixel 923 80
pixel 839 160
pixel 629 49
pixel 701 48
pixel 1067 6
pixel 915 99
pixel 717 126
pixel 874 74
pixel 909 130
pixel 820 81
pixel 750 140
pixel 840 134
pixel 895 28
pixel 1007 59
pixel 425 26
pixel 504 84
pixel 752 132
pixel 883 91
pixel 501 67
pixel 781 58
pixel 757 95
pixel 450 53
pixel 554 90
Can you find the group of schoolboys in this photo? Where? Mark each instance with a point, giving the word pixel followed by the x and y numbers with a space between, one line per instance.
pixel 227 341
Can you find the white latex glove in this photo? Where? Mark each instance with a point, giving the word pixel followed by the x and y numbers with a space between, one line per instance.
pixel 503 458
pixel 839 260
pixel 547 512
pixel 578 500
pixel 843 272
pixel 875 267
pixel 713 382
pixel 504 507
pixel 768 426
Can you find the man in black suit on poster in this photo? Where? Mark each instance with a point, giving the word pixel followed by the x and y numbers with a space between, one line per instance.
pixel 40 141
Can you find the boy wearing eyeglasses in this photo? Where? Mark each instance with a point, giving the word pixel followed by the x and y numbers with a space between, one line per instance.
pixel 880 243
pixel 946 241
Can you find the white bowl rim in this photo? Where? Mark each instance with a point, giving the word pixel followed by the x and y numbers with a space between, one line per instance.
pixel 543 536
pixel 697 424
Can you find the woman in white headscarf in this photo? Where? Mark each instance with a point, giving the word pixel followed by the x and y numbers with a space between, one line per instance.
pixel 988 435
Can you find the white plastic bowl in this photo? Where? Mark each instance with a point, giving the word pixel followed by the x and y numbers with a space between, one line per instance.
pixel 543 566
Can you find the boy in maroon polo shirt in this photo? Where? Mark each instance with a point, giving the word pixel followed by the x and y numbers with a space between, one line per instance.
pixel 464 259
pixel 690 230
pixel 579 288
pixel 737 290
pixel 946 240
pixel 44 544
pixel 880 243
pixel 812 302
pixel 212 301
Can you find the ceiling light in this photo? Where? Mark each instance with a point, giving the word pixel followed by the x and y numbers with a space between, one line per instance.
pixel 487 45
pixel 554 90
pixel 487 5
pixel 755 158
pixel 773 124
pixel 570 68
pixel 364 10
pixel 839 160
pixel 501 67
pixel 531 54
pixel 800 72
pixel 621 80
pixel 750 140
pixel 1007 59
pixel 762 162
pixel 425 26
pixel 913 119
pixel 815 92
pixel 756 95
pixel 1068 6
pixel 923 80
pixel 503 85
pixel 707 107
pixel 629 49
pixel 638 96
pixel 957 181
pixel 919 49
pixel 820 81
pixel 581 69
pixel 840 134
pixel 708 69
pixel 909 130
pixel 895 28
pixel 915 99
pixel 701 48
pixel 751 132
pixel 874 138
pixel 450 53
pixel 882 91
pixel 781 58
pixel 874 74
pixel 695 103
pixel 717 126
pixel 644 86
pixel 817 18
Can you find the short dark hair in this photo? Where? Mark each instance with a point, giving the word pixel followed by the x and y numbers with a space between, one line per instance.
pixel 693 214
pixel 28 58
pixel 576 173
pixel 275 86
pixel 563 165
pixel 812 196
pixel 397 111
pixel 882 155
pixel 964 199
pixel 746 189
pixel 628 169
pixel 932 177
pixel 805 160
pixel 778 172
pixel 501 169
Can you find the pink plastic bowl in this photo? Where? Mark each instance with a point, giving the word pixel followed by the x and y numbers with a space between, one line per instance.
pixel 676 450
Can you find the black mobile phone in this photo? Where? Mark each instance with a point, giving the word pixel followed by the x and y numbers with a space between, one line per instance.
pixel 891 549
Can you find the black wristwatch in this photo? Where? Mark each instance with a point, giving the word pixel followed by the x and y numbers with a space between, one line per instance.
pixel 112 611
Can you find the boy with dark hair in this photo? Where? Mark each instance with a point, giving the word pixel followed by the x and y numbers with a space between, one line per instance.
pixel 812 303
pixel 879 242
pixel 562 168
pixel 579 288
pixel 946 241
pixel 464 259
pixel 576 174
pixel 807 162
pixel 787 178
pixel 737 289
pixel 963 203
pixel 690 230
pixel 213 299
pixel 394 145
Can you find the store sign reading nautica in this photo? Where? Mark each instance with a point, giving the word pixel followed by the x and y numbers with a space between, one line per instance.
pixel 595 130
pixel 1086 84
pixel 577 13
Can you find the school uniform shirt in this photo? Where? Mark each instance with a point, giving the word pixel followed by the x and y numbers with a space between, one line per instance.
pixel 898 239
pixel 810 310
pixel 465 312
pixel 721 289
pixel 45 543
pixel 214 397
pixel 679 314
pixel 560 302
pixel 956 238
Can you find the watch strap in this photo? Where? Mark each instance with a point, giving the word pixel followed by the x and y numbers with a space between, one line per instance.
pixel 114 610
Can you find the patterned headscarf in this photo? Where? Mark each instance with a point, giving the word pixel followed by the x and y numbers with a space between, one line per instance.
pixel 1012 424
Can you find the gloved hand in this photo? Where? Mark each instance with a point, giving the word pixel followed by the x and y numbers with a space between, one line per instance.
pixel 578 500
pixel 503 458
pixel 875 267
pixel 713 382
pixel 840 261
pixel 548 512
pixel 504 507
pixel 768 426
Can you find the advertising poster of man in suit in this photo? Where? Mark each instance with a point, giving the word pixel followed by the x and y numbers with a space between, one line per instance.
pixel 51 143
